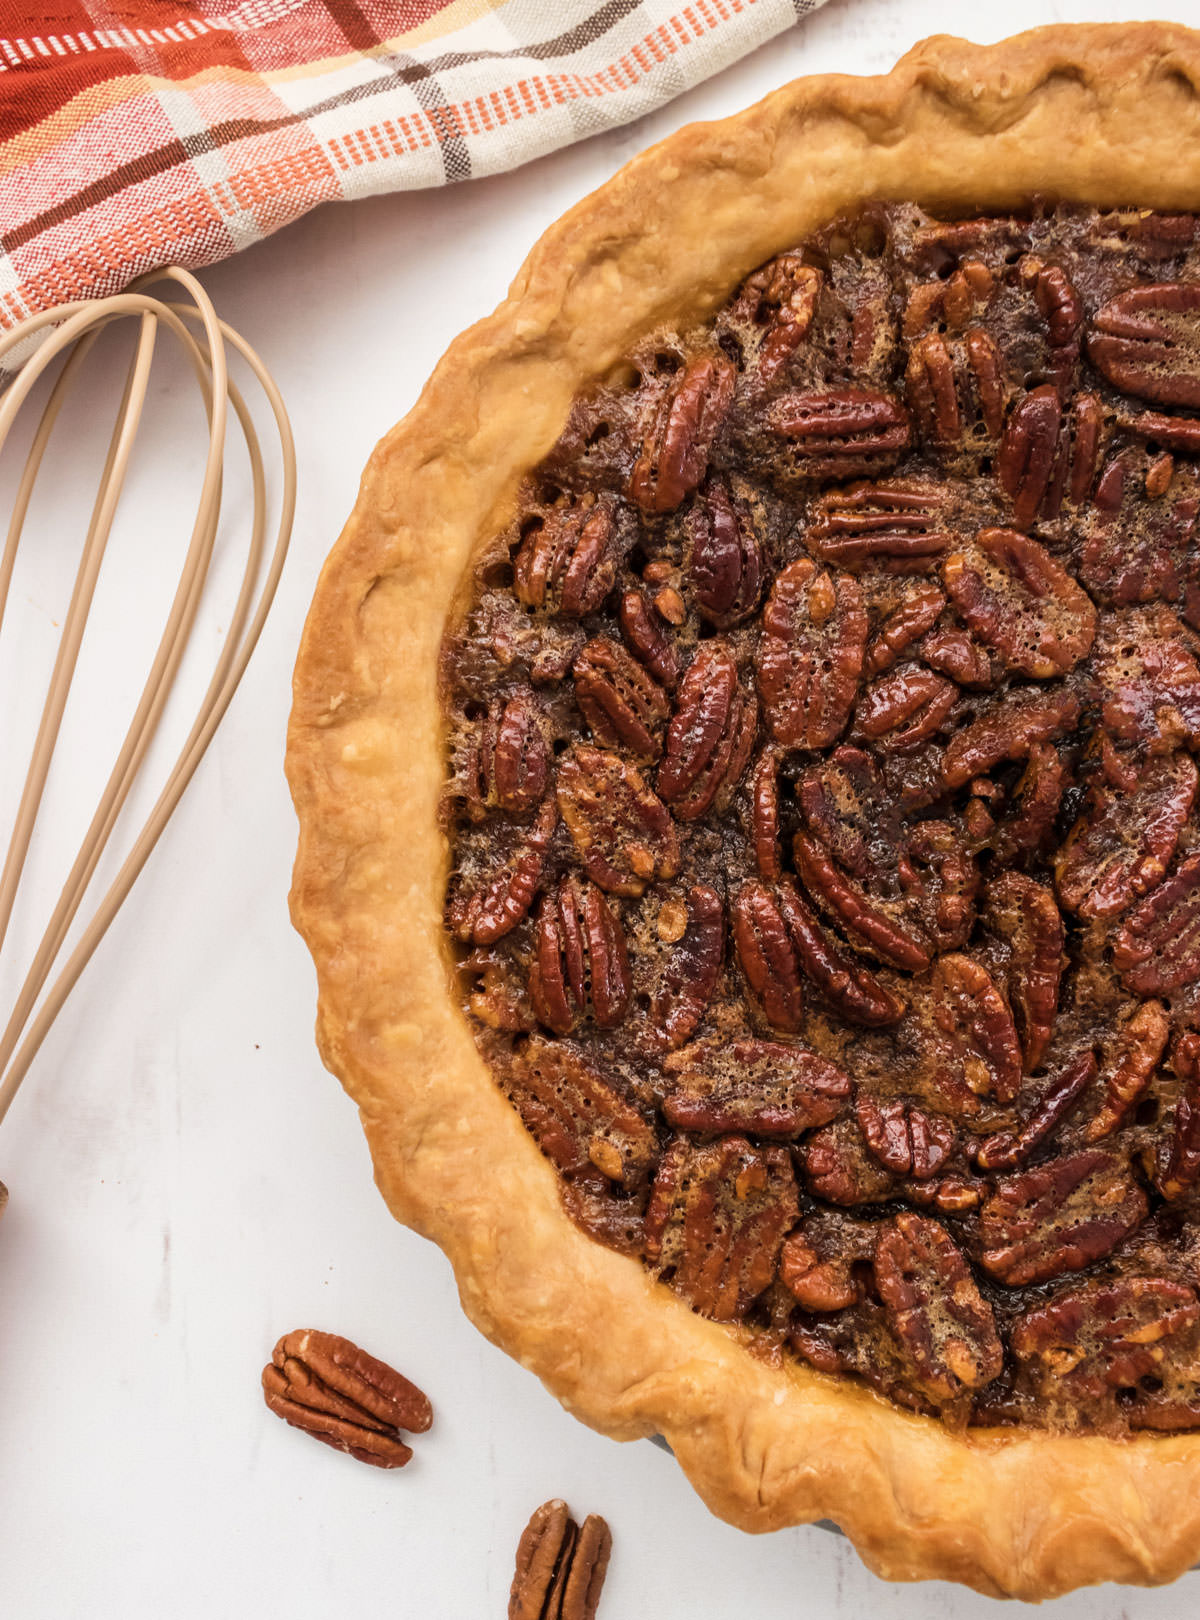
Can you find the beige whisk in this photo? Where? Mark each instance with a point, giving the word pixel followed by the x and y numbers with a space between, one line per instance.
pixel 205 340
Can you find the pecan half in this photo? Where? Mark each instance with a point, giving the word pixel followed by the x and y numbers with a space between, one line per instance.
pixel 1157 947
pixel 1104 1335
pixel 716 1221
pixel 900 527
pixel 1139 1046
pixel 647 640
pixel 917 613
pixel 710 737
pixel 1009 729
pixel 579 1120
pixel 781 298
pixel 323 1384
pixel 485 911
pixel 1030 452
pixel 560 1566
pixel 1146 341
pixel 622 831
pixel 727 563
pixel 904 1138
pixel 1182 1169
pixel 680 435
pixel 840 433
pixel 902 710
pixel 810 656
pixel 567 562
pixel 1121 847
pixel 580 961
pixel 970 1007
pixel 1035 799
pixel 764 807
pixel 510 762
pixel 839 1169
pixel 1007 1149
pixel 620 700
pixel 767 957
pixel 885 937
pixel 1022 603
pixel 692 970
pixel 824 1260
pixel 1058 1217
pixel 943 1324
pixel 761 1087
pixel 952 385
pixel 1136 548
pixel 941 880
pixel 846 806
pixel 849 987
pixel 957 654
pixel 1025 916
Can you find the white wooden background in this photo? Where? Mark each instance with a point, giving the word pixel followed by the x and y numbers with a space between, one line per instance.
pixel 187 1182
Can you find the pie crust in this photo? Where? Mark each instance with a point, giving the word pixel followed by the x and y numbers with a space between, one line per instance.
pixel 1101 115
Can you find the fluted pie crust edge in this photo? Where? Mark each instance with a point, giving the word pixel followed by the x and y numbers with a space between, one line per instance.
pixel 1102 115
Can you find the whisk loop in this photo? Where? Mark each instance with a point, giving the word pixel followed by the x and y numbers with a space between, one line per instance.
pixel 205 340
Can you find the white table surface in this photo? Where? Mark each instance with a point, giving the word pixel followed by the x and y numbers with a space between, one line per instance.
pixel 188 1183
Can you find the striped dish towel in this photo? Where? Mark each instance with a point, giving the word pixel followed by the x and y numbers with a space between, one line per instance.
pixel 137 133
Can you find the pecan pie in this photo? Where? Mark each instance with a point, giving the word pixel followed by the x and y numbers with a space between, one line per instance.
pixel 745 745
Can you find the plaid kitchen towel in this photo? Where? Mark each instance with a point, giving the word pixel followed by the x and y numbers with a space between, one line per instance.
pixel 137 133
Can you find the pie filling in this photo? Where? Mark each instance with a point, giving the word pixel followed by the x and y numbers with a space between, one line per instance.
pixel 825 856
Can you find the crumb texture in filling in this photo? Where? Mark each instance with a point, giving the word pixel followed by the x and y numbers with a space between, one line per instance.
pixel 822 793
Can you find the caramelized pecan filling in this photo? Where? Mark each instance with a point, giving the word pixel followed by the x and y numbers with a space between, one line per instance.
pixel 825 850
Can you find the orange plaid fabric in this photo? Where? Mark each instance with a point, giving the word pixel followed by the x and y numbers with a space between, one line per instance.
pixel 136 133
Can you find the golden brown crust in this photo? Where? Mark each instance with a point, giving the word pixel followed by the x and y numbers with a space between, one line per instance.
pixel 1105 115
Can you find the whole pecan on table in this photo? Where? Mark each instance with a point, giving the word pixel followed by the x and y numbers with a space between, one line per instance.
pixel 323 1384
pixel 560 1566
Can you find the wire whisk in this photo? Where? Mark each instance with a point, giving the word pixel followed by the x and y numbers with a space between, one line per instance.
pixel 67 334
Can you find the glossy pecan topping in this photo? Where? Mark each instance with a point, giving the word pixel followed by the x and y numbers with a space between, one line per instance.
pixel 647 640
pixel 1025 915
pixel 1130 1069
pixel 863 623
pixel 842 433
pixel 1106 1336
pixel 717 1219
pixel 1157 947
pixel 1008 730
pixel 510 764
pixel 904 1138
pixel 692 970
pixel 1182 1167
pixel 579 1118
pixel 490 907
pixel 1007 1149
pixel 917 613
pixel 970 1008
